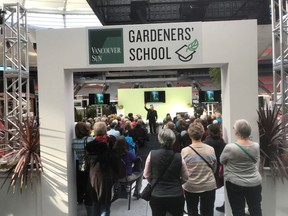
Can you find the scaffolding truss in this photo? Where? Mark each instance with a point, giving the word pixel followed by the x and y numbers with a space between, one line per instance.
pixel 280 53
pixel 16 65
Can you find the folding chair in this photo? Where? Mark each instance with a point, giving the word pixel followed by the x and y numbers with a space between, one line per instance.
pixel 130 185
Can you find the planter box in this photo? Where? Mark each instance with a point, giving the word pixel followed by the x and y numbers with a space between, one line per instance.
pixel 27 203
pixel 274 195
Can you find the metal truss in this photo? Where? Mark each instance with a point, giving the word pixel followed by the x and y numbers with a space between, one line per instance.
pixel 280 52
pixel 16 65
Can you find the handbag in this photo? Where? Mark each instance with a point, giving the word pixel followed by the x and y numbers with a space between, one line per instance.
pixel 84 167
pixel 220 177
pixel 147 191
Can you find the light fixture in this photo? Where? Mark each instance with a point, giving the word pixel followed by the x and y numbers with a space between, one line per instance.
pixel 168 84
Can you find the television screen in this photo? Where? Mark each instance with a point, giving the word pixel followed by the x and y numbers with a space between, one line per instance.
pixel 210 96
pixel 154 96
pixel 99 98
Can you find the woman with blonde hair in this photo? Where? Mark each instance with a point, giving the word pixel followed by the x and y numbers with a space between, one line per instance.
pixel 201 164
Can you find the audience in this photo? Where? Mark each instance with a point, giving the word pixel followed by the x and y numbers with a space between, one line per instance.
pixel 105 162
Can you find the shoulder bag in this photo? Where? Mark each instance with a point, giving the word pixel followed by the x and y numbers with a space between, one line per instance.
pixel 85 165
pixel 219 179
pixel 244 150
pixel 147 191
pixel 202 158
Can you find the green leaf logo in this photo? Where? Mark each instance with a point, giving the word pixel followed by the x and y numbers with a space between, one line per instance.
pixel 193 46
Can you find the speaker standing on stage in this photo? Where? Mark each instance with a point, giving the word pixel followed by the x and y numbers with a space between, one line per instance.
pixel 152 118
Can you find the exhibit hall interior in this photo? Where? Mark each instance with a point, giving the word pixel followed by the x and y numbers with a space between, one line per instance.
pixel 158 65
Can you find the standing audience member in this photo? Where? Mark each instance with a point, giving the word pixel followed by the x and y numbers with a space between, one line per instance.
pixel 201 184
pixel 215 140
pixel 167 195
pixel 105 170
pixel 130 160
pixel 82 132
pixel 243 180
pixel 152 118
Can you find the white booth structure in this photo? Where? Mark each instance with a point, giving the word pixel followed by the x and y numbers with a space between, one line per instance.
pixel 232 46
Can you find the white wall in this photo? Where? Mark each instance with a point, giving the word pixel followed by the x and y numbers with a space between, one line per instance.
pixel 230 45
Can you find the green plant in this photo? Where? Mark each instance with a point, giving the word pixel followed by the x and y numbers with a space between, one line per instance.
pixel 26 165
pixel 77 116
pixel 215 74
pixel 272 141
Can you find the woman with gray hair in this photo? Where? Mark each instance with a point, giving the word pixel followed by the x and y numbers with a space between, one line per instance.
pixel 241 174
pixel 169 167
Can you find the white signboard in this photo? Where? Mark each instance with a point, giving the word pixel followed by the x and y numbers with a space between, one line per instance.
pixel 142 45
pixel 166 43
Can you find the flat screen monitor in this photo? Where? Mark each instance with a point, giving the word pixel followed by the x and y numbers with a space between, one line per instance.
pixel 99 98
pixel 154 96
pixel 210 96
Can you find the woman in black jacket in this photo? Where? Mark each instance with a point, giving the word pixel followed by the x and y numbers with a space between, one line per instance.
pixel 105 170
pixel 167 195
pixel 215 140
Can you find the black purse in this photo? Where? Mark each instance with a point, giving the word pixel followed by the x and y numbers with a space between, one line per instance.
pixel 147 191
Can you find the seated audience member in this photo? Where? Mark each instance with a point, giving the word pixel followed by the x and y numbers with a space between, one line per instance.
pixel 177 144
pixel 185 139
pixel 130 117
pixel 218 117
pixel 166 120
pixel 112 130
pixel 122 148
pixel 140 133
pixel 130 141
pixel 181 125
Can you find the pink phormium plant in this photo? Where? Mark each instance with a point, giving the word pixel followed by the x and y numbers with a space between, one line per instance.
pixel 27 165
pixel 272 141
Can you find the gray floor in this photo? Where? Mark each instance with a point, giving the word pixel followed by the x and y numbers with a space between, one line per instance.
pixel 141 207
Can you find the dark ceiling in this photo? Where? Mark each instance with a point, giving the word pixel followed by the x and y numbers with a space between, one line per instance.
pixel 123 12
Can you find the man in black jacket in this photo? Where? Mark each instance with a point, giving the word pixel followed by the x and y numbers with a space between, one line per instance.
pixel 152 118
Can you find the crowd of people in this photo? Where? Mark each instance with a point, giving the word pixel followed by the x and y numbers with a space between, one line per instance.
pixel 187 163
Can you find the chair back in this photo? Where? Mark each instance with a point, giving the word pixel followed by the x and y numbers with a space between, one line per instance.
pixel 138 165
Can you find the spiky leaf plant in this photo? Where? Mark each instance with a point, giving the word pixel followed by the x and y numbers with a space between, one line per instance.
pixel 27 167
pixel 272 141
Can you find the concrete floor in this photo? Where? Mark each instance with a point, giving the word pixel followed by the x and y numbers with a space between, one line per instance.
pixel 142 208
